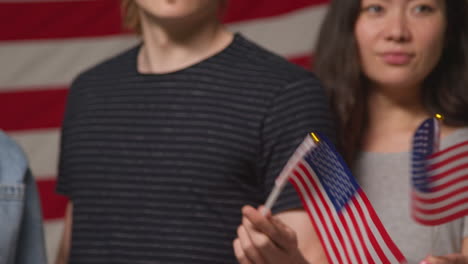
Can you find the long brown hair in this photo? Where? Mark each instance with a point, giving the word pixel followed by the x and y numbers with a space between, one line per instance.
pixel 337 64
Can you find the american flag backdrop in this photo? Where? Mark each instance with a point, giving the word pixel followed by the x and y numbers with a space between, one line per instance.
pixel 347 225
pixel 45 44
pixel 439 178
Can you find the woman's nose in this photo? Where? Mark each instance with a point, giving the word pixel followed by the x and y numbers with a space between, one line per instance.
pixel 397 28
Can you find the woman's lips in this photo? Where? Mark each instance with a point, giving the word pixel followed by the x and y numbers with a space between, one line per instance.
pixel 397 58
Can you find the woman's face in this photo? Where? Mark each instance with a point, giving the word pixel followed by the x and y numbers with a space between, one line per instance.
pixel 400 41
pixel 166 10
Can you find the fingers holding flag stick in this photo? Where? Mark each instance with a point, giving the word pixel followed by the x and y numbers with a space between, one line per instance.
pixel 272 199
pixel 263 238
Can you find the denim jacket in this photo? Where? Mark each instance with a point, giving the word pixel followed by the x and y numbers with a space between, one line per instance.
pixel 21 230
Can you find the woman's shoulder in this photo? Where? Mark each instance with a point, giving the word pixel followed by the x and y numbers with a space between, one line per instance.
pixel 13 162
pixel 454 136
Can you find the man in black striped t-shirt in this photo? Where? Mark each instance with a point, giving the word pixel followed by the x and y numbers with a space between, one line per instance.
pixel 163 144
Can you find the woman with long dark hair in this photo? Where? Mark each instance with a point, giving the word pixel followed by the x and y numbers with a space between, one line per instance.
pixel 388 65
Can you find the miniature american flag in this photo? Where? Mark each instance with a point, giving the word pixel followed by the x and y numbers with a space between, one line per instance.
pixel 348 227
pixel 439 178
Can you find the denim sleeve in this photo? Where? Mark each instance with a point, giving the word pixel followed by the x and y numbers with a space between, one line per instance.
pixel 31 247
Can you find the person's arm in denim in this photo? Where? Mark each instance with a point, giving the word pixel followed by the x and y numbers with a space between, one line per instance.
pixel 31 247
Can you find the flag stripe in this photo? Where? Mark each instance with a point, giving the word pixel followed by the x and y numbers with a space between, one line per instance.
pixel 304 61
pixel 55 63
pixel 306 174
pixel 438 219
pixel 448 150
pixel 373 241
pixel 54 19
pixel 313 210
pixel 240 10
pixel 444 203
pixel 59 19
pixel 371 253
pixel 432 198
pixel 445 174
pixel 382 232
pixel 39 109
pixel 344 219
pixel 53 205
pixel 434 210
pixel 363 250
pixel 41 148
pixel 331 251
pixel 447 161
pixel 53 230
pixel 313 183
pixel 321 209
pixel 452 182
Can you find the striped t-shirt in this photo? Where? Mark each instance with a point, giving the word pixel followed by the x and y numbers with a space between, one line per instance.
pixel 158 166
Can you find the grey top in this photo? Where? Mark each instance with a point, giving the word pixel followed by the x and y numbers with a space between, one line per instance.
pixel 385 178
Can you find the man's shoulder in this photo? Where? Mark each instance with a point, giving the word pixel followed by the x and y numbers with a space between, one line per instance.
pixel 270 63
pixel 116 65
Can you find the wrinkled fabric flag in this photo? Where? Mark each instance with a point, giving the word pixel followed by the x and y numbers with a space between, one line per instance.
pixel 439 178
pixel 348 227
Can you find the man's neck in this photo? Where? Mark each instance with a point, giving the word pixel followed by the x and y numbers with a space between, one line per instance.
pixel 172 47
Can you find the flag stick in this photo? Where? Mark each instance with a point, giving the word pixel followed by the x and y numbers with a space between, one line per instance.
pixel 438 121
pixel 272 198
pixel 284 175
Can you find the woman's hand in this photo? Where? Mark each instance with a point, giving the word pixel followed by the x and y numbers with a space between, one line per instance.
pixel 265 239
pixel 447 259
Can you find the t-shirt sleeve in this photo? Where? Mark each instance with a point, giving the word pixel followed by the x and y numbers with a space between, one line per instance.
pixel 300 108
pixel 65 167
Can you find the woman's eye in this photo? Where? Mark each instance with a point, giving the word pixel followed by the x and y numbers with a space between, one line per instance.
pixel 424 9
pixel 373 9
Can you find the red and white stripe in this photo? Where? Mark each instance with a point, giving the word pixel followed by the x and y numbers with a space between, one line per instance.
pixel 45 44
pixel 447 198
pixel 353 235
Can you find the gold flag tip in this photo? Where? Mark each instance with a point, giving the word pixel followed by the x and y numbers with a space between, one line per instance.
pixel 439 116
pixel 315 137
